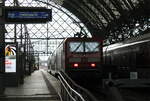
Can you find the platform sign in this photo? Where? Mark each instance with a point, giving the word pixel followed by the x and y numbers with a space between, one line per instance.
pixel 10 58
pixel 27 15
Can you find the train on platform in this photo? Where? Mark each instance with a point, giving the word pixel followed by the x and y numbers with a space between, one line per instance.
pixel 128 59
pixel 78 58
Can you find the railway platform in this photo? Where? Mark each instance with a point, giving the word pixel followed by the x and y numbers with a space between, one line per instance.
pixel 35 88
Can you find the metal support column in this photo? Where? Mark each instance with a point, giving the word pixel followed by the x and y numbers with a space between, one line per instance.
pixel 15 25
pixel 22 54
pixel 2 57
pixel 38 62
pixel 2 52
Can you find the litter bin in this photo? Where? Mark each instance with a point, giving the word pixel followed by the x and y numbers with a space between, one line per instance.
pixel 2 87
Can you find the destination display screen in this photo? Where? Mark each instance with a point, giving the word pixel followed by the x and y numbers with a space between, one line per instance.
pixel 27 15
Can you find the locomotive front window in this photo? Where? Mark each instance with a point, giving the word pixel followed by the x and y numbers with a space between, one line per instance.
pixel 84 46
pixel 92 47
pixel 76 47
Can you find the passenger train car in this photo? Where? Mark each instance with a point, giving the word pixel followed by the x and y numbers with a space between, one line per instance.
pixel 129 59
pixel 78 58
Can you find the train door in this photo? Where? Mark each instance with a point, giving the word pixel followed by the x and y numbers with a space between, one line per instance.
pixel 142 56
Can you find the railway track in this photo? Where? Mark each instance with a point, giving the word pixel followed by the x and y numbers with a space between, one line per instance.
pixel 123 94
pixel 135 94
pixel 113 93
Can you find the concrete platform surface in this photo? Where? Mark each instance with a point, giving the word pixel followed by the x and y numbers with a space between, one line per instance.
pixel 34 88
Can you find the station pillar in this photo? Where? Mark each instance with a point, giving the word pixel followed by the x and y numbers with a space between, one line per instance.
pixel 2 58
pixel 2 50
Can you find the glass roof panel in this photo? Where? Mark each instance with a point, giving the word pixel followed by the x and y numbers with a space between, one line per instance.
pixel 45 37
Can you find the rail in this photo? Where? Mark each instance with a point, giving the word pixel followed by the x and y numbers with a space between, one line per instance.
pixel 70 91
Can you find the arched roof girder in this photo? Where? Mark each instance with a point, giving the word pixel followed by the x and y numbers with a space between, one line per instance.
pixel 88 12
pixel 100 9
pixel 104 16
pixel 118 6
pixel 101 2
pixel 93 15
pixel 85 14
pixel 127 4
pixel 131 4
pixel 77 12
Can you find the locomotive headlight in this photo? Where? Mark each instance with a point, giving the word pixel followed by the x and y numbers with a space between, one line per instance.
pixel 75 65
pixel 93 65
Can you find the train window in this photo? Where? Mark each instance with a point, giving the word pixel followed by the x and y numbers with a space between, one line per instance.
pixel 76 47
pixel 92 47
pixel 84 46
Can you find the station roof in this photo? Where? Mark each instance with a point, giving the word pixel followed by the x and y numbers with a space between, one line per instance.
pixel 113 20
pixel 102 17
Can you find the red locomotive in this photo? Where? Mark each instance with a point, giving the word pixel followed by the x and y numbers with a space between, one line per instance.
pixel 78 58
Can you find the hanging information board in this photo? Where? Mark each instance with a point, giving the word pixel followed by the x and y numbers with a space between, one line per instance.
pixel 27 15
